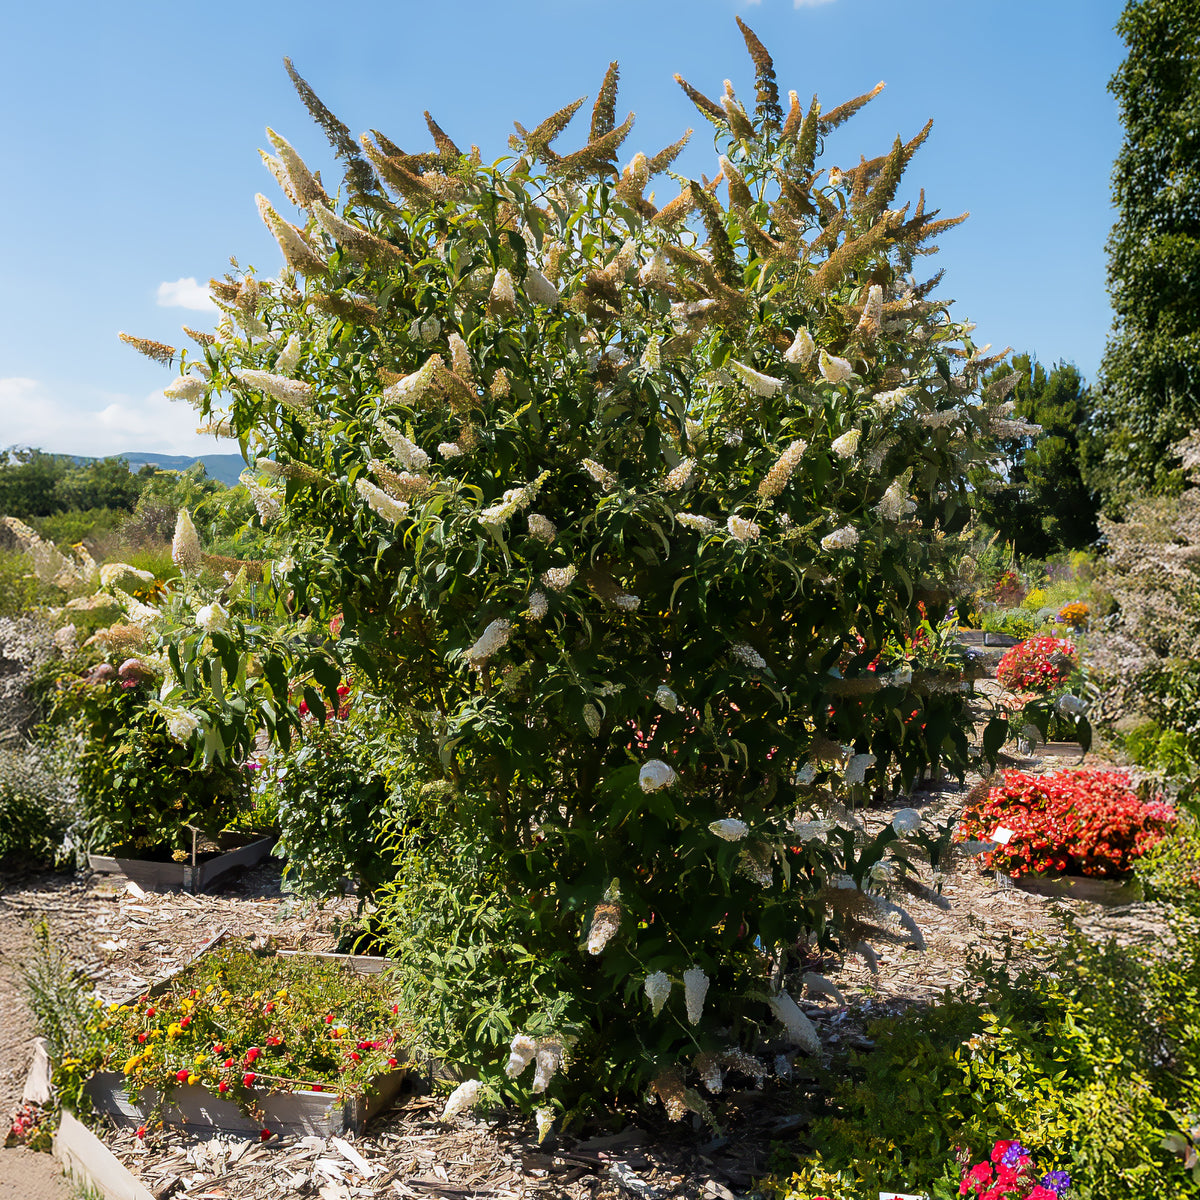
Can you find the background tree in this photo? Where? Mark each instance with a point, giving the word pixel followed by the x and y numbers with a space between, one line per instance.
pixel 1043 505
pixel 1149 388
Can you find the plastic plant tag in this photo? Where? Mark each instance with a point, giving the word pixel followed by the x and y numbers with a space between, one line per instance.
pixel 899 1196
pixel 1002 836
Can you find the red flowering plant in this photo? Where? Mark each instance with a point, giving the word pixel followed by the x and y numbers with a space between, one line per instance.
pixel 1009 1174
pixel 1038 664
pixel 1072 822
pixel 244 1026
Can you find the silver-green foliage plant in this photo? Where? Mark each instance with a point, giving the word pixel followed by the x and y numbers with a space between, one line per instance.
pixel 621 504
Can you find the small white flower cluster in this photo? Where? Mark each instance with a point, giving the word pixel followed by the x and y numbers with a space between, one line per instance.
pixel 539 289
pixel 840 539
pixel 907 820
pixel 652 355
pixel 729 828
pixel 512 502
pixel 801 349
pixel 857 767
pixel 606 920
pixel 186 387
pixel 742 529
pixel 212 617
pixel 558 579
pixel 658 988
pixel 181 722
pixel 656 775
pixel 185 545
pixel 449 449
pixel 805 775
pixel 664 697
pixel 413 387
pixel 777 477
pixel 289 356
pixel 627 602
pixel 538 606
pixel 799 1028
pixel 695 988
pixel 1071 705
pixel 895 504
pixel 846 445
pixel 410 456
pixel 460 359
pixel 834 370
pixel 380 502
pixel 465 1096
pixel 885 402
pixel 492 639
pixel 939 418
pixel 292 392
pixel 696 522
pixel 542 528
pixel 502 294
pixel 656 273
pixel 266 501
pixel 872 313
pixel 602 475
pixel 748 656
pixel 754 381
pixel 681 476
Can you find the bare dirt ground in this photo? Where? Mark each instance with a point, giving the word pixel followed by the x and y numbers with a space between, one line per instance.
pixel 123 941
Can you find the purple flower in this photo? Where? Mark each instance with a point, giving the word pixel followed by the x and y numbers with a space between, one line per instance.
pixel 1014 1154
pixel 1057 1181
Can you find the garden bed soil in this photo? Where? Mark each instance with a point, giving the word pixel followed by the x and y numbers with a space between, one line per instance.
pixel 124 939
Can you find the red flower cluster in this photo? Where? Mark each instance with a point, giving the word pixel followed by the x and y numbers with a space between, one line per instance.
pixel 1038 664
pixel 1075 822
pixel 1011 1175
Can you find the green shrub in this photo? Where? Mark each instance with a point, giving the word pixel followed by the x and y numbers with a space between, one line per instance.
pixel 93 525
pixel 38 801
pixel 20 589
pixel 1016 622
pixel 1084 1062
pixel 140 787
pixel 332 795
pixel 621 519
pixel 1141 742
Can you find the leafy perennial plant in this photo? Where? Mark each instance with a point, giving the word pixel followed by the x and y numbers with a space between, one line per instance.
pixel 619 501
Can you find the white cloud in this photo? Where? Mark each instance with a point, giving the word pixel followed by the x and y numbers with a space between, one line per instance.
pixel 77 420
pixel 185 293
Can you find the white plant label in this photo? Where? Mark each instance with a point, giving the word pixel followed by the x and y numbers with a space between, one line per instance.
pixel 1002 836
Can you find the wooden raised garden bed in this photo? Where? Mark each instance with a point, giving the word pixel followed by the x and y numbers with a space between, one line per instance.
pixel 299 1111
pixel 1079 887
pixel 236 851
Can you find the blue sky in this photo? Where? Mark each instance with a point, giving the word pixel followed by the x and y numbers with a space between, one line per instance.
pixel 132 130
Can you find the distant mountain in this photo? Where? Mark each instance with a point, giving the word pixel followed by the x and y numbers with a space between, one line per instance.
pixel 225 467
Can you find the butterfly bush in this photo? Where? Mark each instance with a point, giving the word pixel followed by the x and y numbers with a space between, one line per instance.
pixel 716 393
